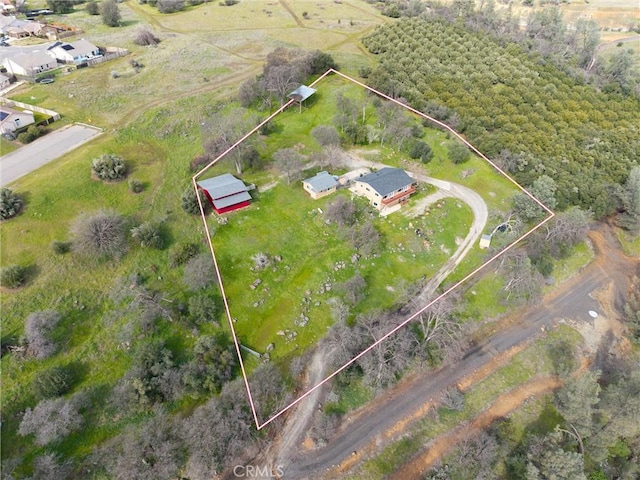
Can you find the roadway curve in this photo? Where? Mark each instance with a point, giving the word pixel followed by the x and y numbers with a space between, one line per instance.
pixel 388 416
pixel 299 421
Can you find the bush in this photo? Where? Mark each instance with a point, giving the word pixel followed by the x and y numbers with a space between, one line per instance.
pixel 109 167
pixel 32 133
pixel 53 382
pixel 10 203
pixel 182 253
pixel 145 37
pixel 101 234
pixel 13 276
pixel 203 309
pixel 199 163
pixel 135 186
pixel 60 248
pixel 190 201
pixel 149 234
pixel 52 420
pixel 421 151
pixel 92 8
pixel 110 13
pixel 199 273
pixel 170 6
pixel 38 328
pixel 458 152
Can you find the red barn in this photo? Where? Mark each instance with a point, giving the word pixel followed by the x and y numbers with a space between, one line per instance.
pixel 226 193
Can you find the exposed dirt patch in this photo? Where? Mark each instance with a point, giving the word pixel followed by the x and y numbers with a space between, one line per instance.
pixel 501 407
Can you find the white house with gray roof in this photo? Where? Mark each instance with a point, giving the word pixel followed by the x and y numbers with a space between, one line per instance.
pixel 74 52
pixel 320 185
pixel 29 64
pixel 386 187
pixel 12 120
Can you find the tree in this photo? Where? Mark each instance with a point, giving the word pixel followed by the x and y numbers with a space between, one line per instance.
pixel 544 189
pixel 630 218
pixel 577 402
pixel 102 234
pixel 13 276
pixel 289 161
pixel 199 273
pixel 38 328
pixel 354 289
pixel 109 167
pixel 559 235
pixel 365 238
pixel 189 201
pixel 10 203
pixel 52 420
pixel 326 135
pixel 421 151
pixel 149 234
pixel 181 253
pixel 149 451
pixel 60 6
pixel 110 13
pixel 203 309
pixel 213 364
pixel 341 212
pixel 282 79
pixel 170 6
pixel 620 66
pixel 458 152
pixel 523 283
pixel 47 467
pixel 145 37
pixel 92 8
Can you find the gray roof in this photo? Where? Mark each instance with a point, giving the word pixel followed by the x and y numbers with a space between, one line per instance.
pixel 321 182
pixel 225 202
pixel 223 186
pixel 29 61
pixel 301 93
pixel 387 180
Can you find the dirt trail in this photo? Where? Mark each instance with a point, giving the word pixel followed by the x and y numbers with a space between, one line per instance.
pixel 500 408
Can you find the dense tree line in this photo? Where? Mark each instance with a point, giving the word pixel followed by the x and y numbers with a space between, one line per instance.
pixel 513 105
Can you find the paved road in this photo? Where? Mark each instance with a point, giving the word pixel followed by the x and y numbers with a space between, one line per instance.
pixel 571 301
pixel 36 154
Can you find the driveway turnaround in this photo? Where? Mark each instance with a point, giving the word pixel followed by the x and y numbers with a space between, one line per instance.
pixel 36 154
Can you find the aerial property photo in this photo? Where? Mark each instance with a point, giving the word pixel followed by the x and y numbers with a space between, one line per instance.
pixel 335 240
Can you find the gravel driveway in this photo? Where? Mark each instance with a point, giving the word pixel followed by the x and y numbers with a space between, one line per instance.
pixel 40 152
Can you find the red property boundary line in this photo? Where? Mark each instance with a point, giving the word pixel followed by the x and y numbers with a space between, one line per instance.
pixel 260 425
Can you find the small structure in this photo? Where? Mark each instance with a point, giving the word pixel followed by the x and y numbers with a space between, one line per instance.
pixel 385 188
pixel 12 120
pixel 485 241
pixel 75 52
pixel 320 185
pixel 226 193
pixel 4 81
pixel 300 94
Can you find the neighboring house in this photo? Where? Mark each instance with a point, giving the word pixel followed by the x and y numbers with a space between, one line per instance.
pixel 12 120
pixel 4 81
pixel 226 193
pixel 386 187
pixel 29 64
pixel 320 185
pixel 74 52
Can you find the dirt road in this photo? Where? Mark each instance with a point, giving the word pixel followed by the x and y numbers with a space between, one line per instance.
pixel 376 424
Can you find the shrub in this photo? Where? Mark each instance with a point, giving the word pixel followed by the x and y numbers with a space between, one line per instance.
pixel 182 253
pixel 60 248
pixel 145 37
pixel 213 364
pixel 92 8
pixel 199 273
pixel 203 309
pixel 421 151
pixel 135 186
pixel 53 382
pixel 170 6
pixel 149 234
pixel 10 203
pixel 101 234
pixel 199 163
pixel 110 13
pixel 190 201
pixel 458 153
pixel 13 276
pixel 32 133
pixel 109 167
pixel 38 328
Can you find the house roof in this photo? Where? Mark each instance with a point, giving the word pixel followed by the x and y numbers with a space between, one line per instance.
pixel 301 93
pixel 234 199
pixel 34 59
pixel 79 48
pixel 387 180
pixel 321 181
pixel 223 186
pixel 7 112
